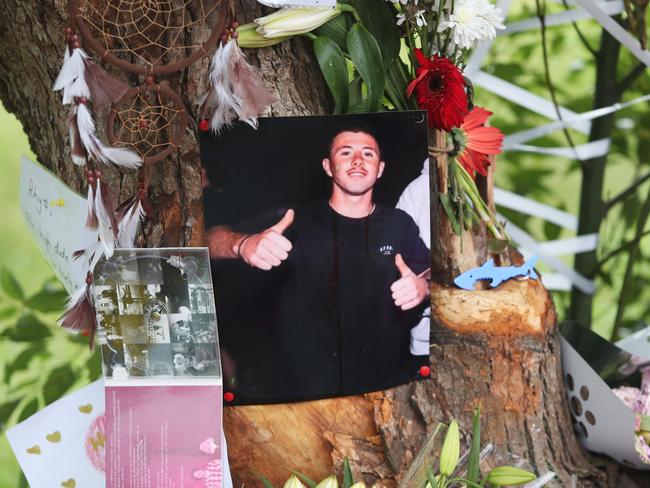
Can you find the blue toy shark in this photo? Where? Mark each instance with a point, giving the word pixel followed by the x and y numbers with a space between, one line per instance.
pixel 497 275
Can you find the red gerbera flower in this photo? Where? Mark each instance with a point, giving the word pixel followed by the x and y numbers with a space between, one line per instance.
pixel 440 90
pixel 478 142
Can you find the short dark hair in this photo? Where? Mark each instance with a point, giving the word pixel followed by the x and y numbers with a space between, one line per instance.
pixel 355 127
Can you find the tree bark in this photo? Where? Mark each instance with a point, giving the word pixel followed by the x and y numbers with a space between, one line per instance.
pixel 498 348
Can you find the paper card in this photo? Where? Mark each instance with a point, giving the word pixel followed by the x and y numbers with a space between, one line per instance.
pixel 165 436
pixel 64 444
pixel 55 215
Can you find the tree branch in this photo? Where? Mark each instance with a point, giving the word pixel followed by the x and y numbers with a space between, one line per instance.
pixel 581 36
pixel 630 78
pixel 625 194
pixel 623 247
pixel 629 267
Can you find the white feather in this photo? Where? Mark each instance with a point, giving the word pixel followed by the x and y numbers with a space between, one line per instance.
pixel 128 226
pixel 73 67
pixel 75 298
pixel 78 88
pixel 106 235
pixel 122 157
pixel 220 97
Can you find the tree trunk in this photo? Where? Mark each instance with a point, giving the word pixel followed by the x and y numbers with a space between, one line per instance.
pixel 498 348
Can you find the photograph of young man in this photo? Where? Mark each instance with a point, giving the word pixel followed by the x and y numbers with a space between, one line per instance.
pixel 353 277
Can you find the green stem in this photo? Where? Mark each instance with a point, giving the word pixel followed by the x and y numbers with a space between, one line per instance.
pixel 345 7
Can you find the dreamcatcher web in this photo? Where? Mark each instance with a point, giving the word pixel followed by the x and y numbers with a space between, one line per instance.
pixel 152 32
pixel 147 124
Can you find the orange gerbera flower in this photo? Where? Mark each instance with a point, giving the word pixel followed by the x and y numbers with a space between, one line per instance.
pixel 477 142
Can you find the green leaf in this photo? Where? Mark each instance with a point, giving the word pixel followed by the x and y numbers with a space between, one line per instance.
pixel 336 29
pixel 10 285
pixel 58 382
pixel 473 470
pixel 379 19
pixel 446 204
pixel 22 361
pixel 509 475
pixel 48 300
pixel 6 409
pixel 28 410
pixel 432 478
pixel 348 480
pixel 7 312
pixel 366 57
pixel 265 481
pixel 450 451
pixel 308 481
pixel 335 71
pixel 28 329
pixel 94 365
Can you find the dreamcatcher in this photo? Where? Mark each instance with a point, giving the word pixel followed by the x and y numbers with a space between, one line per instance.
pixel 145 123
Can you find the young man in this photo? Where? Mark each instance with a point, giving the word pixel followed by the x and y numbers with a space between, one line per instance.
pixel 352 274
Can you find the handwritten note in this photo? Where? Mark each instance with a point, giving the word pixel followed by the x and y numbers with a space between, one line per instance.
pixel 56 217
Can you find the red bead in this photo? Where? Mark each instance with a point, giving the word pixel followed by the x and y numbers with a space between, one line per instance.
pixel 204 125
pixel 149 80
pixel 90 173
pixel 74 38
pixel 229 396
pixel 76 45
pixel 67 30
pixel 89 279
pixel 143 123
pixel 83 100
pixel 234 24
pixel 234 35
pixel 224 38
pixel 425 371
pixel 91 180
pixel 98 174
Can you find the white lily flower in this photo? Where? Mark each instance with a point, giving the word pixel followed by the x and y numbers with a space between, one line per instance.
pixel 401 18
pixel 420 19
pixel 329 482
pixel 294 21
pixel 473 22
pixel 293 482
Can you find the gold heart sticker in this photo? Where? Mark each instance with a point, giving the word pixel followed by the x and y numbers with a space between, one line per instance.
pixel 70 483
pixel 34 449
pixel 54 436
pixel 86 408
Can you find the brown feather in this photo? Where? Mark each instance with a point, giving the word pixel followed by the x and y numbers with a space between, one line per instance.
pixel 77 150
pixel 104 89
pixel 80 316
pixel 249 88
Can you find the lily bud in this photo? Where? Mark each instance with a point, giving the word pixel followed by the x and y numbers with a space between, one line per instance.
pixel 450 451
pixel 508 475
pixel 248 37
pixel 293 482
pixel 329 482
pixel 293 21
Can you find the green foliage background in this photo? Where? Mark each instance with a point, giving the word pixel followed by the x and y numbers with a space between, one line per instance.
pixel 39 362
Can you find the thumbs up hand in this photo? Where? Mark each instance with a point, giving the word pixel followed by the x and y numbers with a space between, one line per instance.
pixel 268 248
pixel 411 289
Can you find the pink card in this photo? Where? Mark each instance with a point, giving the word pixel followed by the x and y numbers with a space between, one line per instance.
pixel 164 436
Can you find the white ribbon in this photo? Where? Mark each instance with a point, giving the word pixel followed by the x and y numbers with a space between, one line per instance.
pixel 610 8
pixel 615 29
pixel 582 152
pixel 525 205
pixel 542 130
pixel 526 99
pixel 530 246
